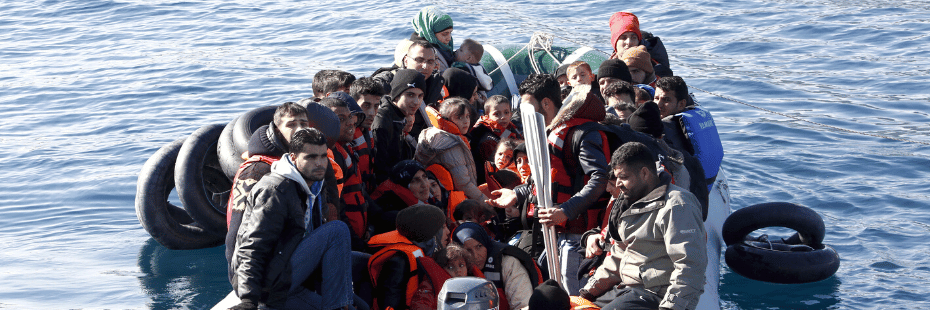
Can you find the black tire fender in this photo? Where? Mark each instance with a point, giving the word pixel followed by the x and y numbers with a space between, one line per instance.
pixel 168 224
pixel 786 267
pixel 248 123
pixel 202 186
pixel 805 221
pixel 226 151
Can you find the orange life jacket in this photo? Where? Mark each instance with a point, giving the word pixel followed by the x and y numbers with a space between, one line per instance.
pixel 391 243
pixel 352 196
pixel 362 147
pixel 567 175
pixel 232 195
pixel 445 178
pixel 336 168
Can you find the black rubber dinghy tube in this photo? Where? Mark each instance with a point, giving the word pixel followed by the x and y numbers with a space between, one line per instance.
pixel 805 221
pixel 168 224
pixel 248 123
pixel 801 258
pixel 202 186
pixel 230 159
pixel 782 263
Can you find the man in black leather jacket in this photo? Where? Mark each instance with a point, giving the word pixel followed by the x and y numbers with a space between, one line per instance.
pixel 283 237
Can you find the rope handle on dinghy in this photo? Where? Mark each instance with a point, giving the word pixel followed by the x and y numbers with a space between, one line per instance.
pixel 544 41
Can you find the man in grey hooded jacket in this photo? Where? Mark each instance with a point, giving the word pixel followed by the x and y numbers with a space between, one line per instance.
pixel 658 253
pixel 283 237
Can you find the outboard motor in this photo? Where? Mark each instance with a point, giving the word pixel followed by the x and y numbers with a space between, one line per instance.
pixel 468 293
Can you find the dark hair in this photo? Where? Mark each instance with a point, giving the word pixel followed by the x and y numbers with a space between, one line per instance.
pixel 306 136
pixel 473 47
pixel 332 103
pixel 635 156
pixel 674 84
pixel 318 80
pixel 642 93
pixel 453 106
pixel 493 101
pixel 619 88
pixel 450 253
pixel 542 86
pixel 288 108
pixel 471 210
pixel 336 80
pixel 365 86
pixel 420 43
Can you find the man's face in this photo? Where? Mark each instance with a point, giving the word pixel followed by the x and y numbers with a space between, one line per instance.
pixel 638 75
pixel 527 98
pixel 421 59
pixel 410 100
pixel 627 40
pixel 604 81
pixel 291 124
pixel 311 161
pixel 501 114
pixel 668 104
pixel 346 124
pixel 579 76
pixel 369 105
pixel 631 182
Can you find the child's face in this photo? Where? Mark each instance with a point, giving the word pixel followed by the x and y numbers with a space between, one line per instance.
pixel 503 158
pixel 501 114
pixel 523 167
pixel 638 75
pixel 434 188
pixel 462 55
pixel 563 80
pixel 579 76
pixel 462 121
pixel 457 268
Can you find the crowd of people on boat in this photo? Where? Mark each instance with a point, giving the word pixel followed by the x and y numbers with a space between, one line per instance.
pixel 377 190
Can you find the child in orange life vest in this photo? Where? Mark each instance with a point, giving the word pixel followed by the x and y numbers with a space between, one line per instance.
pixel 490 129
pixel 454 259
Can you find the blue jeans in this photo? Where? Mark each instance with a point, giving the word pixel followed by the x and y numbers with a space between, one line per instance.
pixel 327 247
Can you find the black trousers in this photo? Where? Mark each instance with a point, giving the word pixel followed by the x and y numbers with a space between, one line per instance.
pixel 631 298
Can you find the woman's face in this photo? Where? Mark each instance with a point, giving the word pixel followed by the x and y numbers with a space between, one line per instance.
pixel 626 40
pixel 434 188
pixel 478 252
pixel 419 185
pixel 457 268
pixel 446 35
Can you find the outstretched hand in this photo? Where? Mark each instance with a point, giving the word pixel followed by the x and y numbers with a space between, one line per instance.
pixel 502 198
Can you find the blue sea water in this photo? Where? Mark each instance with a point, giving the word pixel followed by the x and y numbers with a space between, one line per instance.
pixel 90 89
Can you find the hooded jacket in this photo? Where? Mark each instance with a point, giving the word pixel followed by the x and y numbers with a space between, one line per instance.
pixel 447 149
pixel 388 133
pixel 275 222
pixel 660 244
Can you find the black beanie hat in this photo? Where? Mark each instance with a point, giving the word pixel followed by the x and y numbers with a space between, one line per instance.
pixel 420 222
pixel 405 79
pixel 562 70
pixel 459 83
pixel 403 172
pixel 646 119
pixel 549 296
pixel 615 68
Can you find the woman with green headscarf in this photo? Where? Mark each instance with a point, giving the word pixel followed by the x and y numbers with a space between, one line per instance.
pixel 435 27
